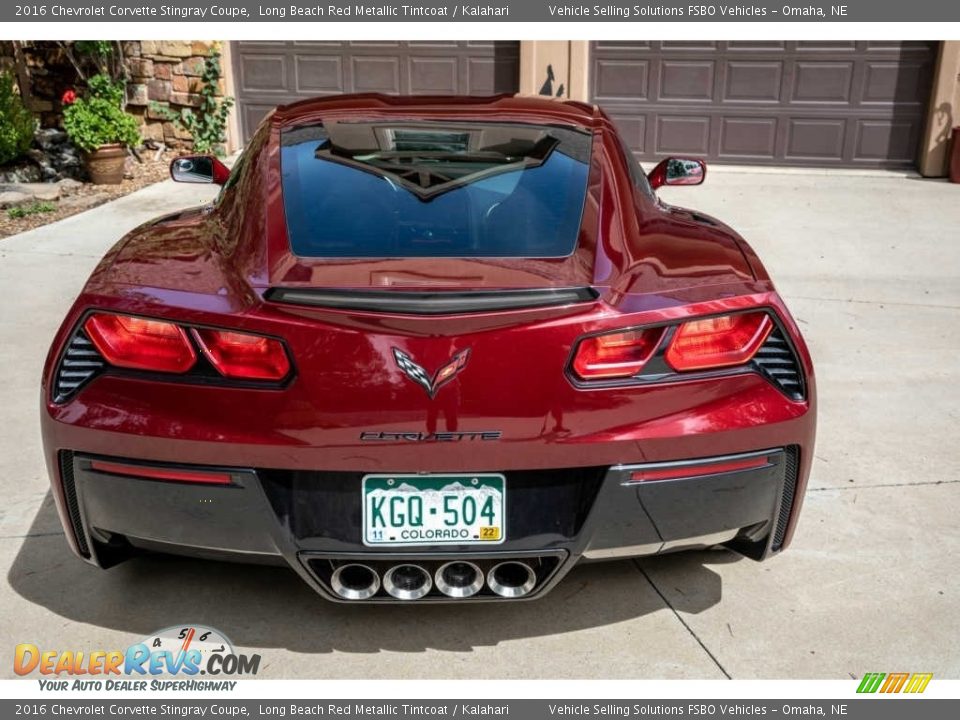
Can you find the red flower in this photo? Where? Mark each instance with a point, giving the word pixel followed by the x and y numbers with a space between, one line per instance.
pixel 69 97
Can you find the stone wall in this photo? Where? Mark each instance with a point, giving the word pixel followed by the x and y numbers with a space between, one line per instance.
pixel 165 74
pixel 162 73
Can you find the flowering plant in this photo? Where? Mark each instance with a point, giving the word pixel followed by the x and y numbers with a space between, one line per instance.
pixel 98 118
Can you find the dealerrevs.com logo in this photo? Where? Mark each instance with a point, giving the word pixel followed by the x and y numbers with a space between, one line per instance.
pixel 181 651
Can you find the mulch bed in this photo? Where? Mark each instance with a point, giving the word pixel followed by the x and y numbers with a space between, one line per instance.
pixel 87 196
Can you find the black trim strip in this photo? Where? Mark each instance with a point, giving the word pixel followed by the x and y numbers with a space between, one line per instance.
pixel 73 505
pixel 432 303
pixel 789 495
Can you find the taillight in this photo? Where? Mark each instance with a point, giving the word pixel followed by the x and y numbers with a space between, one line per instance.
pixel 718 341
pixel 615 355
pixel 141 344
pixel 244 356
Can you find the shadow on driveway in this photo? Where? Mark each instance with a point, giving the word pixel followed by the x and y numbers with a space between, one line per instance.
pixel 263 607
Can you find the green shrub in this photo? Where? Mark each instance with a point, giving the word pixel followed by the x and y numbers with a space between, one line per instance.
pixel 33 209
pixel 98 118
pixel 16 122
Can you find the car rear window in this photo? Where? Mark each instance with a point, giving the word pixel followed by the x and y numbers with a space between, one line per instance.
pixel 432 189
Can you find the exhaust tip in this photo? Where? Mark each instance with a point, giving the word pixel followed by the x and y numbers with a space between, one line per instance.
pixel 407 582
pixel 459 579
pixel 355 582
pixel 511 579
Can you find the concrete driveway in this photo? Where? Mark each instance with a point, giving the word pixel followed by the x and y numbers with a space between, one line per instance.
pixel 870 267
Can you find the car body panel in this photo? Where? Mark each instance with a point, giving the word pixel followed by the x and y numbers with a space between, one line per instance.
pixel 349 407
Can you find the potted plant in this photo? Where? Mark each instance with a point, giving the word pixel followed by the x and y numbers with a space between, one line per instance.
pixel 97 124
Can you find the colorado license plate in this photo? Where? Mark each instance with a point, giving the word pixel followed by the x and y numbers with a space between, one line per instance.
pixel 453 509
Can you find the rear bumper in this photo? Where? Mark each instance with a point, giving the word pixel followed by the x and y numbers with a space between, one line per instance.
pixel 556 518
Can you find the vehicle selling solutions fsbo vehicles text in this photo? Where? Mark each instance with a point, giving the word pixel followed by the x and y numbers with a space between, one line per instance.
pixel 694 10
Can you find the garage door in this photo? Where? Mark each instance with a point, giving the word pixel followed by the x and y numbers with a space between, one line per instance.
pixel 267 74
pixel 844 104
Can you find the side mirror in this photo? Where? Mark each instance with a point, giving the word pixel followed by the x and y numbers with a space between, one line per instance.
pixel 678 171
pixel 199 169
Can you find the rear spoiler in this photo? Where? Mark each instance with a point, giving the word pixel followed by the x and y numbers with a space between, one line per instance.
pixel 406 302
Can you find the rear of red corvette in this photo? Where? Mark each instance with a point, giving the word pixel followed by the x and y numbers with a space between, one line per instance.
pixel 429 351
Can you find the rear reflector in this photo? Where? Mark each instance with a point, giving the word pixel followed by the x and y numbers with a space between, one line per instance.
pixel 141 344
pixel 718 341
pixel 615 355
pixel 244 356
pixel 674 472
pixel 162 473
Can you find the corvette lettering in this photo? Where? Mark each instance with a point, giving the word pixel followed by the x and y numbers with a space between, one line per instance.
pixel 373 436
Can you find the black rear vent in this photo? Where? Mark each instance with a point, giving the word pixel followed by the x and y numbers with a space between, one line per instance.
pixel 73 505
pixel 777 361
pixel 789 494
pixel 408 302
pixel 80 363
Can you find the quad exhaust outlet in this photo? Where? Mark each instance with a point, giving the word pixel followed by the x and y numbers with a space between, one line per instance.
pixel 437 578
pixel 355 582
pixel 459 579
pixel 407 582
pixel 511 579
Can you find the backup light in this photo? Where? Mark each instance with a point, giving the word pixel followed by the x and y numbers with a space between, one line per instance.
pixel 244 356
pixel 141 344
pixel 718 341
pixel 615 355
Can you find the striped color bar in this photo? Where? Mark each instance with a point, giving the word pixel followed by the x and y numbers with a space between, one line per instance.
pixel 894 682
pixel 918 682
pixel 871 682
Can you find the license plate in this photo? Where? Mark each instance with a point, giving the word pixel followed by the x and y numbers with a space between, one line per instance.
pixel 454 509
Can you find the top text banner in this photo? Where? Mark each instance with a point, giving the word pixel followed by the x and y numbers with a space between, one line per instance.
pixel 538 11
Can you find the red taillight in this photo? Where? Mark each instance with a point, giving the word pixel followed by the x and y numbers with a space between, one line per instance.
pixel 718 341
pixel 141 344
pixel 616 355
pixel 244 356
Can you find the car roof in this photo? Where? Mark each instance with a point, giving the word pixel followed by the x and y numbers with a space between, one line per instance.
pixel 495 107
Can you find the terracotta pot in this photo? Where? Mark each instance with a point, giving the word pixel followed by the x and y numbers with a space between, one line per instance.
pixel 105 165
pixel 955 156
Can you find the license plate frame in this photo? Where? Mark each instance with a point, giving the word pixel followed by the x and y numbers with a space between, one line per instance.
pixel 418 486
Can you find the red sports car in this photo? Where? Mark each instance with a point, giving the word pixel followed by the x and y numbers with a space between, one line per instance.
pixel 429 349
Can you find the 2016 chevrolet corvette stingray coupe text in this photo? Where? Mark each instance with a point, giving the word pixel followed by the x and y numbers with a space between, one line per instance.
pixel 435 349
